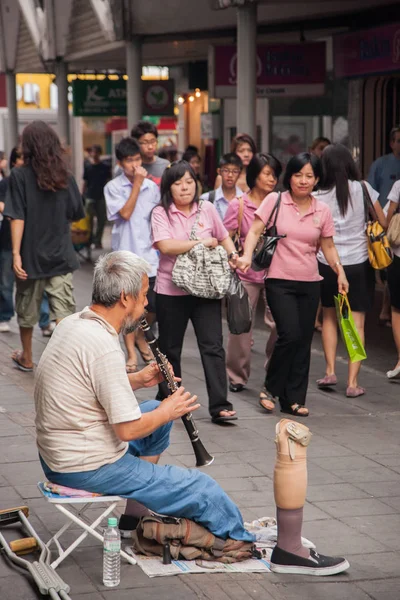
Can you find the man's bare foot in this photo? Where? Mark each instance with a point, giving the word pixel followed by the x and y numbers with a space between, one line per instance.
pixel 21 363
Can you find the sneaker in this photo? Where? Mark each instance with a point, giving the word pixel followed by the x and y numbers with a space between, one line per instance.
pixel 48 331
pixel 317 564
pixel 126 525
pixel 4 327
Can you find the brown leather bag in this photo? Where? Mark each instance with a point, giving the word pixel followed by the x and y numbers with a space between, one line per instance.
pixel 187 540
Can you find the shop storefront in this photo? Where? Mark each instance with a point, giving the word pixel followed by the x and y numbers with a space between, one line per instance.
pixel 369 61
pixel 291 89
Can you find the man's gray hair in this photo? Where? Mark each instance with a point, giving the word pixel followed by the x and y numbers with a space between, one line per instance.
pixel 118 272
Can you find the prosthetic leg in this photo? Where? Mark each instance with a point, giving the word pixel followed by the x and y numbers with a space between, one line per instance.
pixel 290 474
pixel 290 488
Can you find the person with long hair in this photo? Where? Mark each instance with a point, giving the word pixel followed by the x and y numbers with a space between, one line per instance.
pixel 342 192
pixel 172 223
pixel 245 147
pixel 42 200
pixel 293 282
pixel 262 174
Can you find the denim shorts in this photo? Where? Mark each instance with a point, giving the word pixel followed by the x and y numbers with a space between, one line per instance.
pixel 168 490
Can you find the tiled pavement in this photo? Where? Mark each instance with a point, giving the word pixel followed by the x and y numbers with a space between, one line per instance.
pixel 353 496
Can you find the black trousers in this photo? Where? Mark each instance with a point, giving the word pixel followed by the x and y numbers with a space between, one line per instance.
pixel 173 315
pixel 294 306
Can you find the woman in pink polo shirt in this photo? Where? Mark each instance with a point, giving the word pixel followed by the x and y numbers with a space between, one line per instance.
pixel 262 175
pixel 293 280
pixel 172 223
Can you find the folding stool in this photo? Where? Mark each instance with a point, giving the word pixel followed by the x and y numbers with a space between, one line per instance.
pixel 73 508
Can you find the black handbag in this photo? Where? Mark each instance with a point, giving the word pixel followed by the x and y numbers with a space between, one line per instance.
pixel 266 245
pixel 238 307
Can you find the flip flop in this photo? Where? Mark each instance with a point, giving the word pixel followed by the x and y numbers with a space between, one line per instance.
pixel 218 420
pixel 355 392
pixel 131 368
pixel 17 361
pixel 327 381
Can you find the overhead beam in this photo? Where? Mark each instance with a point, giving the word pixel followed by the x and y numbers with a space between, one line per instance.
pixel 34 19
pixel 102 10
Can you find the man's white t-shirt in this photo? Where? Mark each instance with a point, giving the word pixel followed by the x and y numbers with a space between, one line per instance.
pixel 350 239
pixel 81 390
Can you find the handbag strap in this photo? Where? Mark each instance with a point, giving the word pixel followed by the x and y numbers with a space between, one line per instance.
pixel 240 215
pixel 196 222
pixel 275 211
pixel 369 209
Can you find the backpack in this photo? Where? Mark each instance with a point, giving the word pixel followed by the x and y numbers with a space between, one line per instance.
pixel 211 196
pixel 187 540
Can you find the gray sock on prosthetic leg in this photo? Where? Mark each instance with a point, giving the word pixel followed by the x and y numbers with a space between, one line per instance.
pixel 290 523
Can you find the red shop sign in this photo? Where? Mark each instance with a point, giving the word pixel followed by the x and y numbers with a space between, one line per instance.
pixel 282 70
pixel 368 52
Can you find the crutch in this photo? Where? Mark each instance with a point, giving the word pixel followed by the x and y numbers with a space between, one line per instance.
pixel 45 577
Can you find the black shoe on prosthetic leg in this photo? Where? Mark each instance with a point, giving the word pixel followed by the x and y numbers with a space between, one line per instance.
pixel 317 564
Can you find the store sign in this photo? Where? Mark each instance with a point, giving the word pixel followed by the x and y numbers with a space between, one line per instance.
pixel 368 52
pixel 282 70
pixel 107 98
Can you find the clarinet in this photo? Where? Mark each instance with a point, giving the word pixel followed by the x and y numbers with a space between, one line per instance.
pixel 202 457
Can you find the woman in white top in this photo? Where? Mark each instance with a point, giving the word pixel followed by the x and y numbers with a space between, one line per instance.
pixel 342 191
pixel 393 275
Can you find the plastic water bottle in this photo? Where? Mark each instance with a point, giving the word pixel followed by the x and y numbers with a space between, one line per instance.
pixel 111 554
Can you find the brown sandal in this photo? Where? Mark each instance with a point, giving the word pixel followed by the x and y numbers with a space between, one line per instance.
pixel 294 410
pixel 266 395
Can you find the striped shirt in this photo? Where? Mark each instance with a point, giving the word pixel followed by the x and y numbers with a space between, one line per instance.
pixel 81 389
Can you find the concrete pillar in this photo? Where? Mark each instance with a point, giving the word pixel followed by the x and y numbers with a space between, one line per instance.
pixel 12 111
pixel 246 69
pixel 62 111
pixel 134 83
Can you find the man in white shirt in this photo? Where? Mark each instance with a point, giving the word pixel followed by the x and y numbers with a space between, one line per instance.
pixel 91 432
pixel 230 167
pixel 130 199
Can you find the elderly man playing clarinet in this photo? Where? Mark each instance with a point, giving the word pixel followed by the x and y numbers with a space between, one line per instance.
pixel 93 435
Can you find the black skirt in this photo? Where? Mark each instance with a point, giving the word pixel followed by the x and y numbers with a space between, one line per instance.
pixel 361 278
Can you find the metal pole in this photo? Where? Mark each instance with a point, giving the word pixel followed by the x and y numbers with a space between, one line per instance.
pixel 246 69
pixel 63 110
pixel 12 111
pixel 134 83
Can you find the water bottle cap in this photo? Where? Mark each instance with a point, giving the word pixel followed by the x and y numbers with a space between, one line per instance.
pixel 112 521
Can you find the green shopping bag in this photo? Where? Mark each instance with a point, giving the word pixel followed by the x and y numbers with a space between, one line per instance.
pixel 348 329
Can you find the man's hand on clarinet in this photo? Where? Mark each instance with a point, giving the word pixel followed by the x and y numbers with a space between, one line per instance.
pixel 148 377
pixel 180 403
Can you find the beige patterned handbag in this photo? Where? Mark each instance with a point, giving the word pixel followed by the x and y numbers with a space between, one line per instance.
pixel 202 272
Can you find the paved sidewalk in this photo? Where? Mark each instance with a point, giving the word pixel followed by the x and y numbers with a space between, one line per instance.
pixel 354 481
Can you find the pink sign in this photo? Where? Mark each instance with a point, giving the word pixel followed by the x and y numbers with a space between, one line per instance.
pixel 282 69
pixel 368 52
